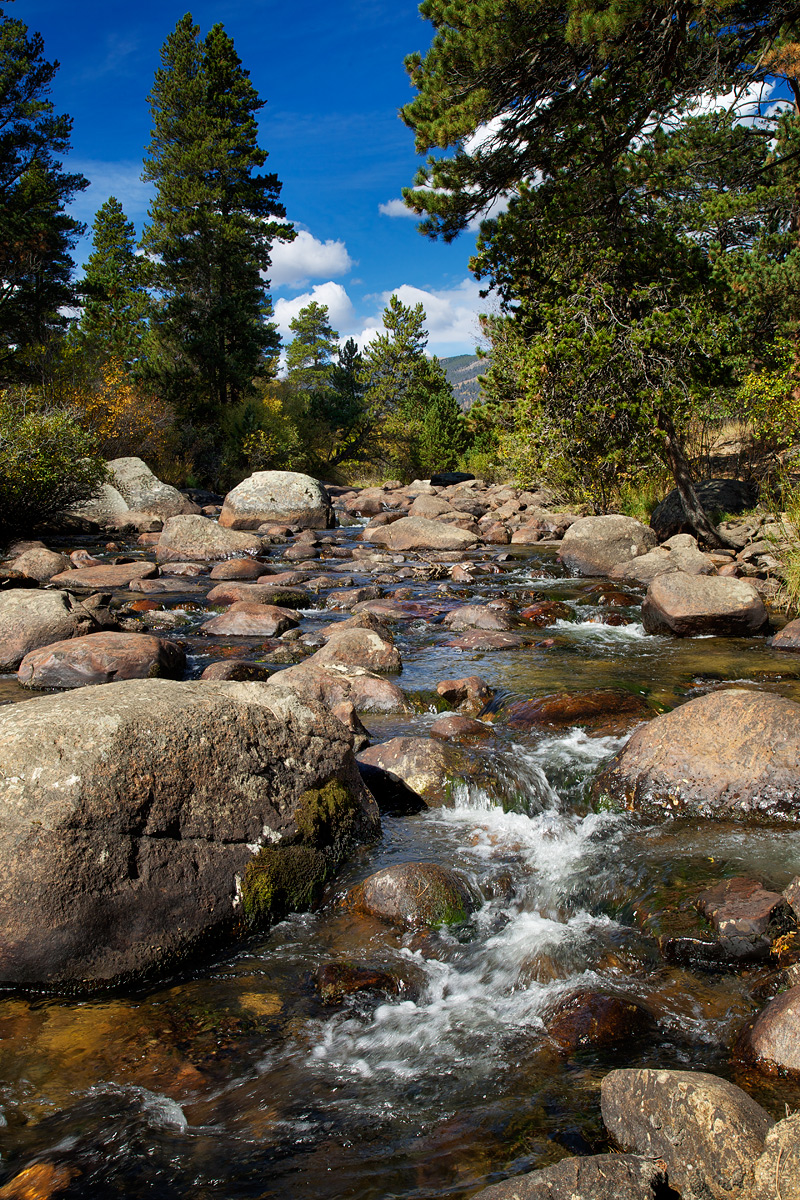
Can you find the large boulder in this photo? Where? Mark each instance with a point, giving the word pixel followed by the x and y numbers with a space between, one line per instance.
pixel 679 553
pixel 732 754
pixel 132 813
pixel 199 539
pixel 29 619
pixel 696 605
pixel 716 495
pixel 772 1040
pixel 708 1131
pixel 777 1172
pixel 101 658
pixel 143 492
pixel 596 1177
pixel 420 533
pixel 107 509
pixel 595 545
pixel 277 496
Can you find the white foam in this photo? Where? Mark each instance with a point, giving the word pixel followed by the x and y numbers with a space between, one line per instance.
pixel 610 634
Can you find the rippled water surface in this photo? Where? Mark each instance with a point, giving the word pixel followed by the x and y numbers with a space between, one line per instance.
pixel 237 1081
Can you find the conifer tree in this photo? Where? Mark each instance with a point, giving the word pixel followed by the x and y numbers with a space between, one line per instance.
pixel 114 317
pixel 36 234
pixel 309 355
pixel 212 221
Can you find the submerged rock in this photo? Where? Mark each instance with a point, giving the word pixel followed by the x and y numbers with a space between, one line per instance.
pixel 131 813
pixel 592 1020
pixel 731 754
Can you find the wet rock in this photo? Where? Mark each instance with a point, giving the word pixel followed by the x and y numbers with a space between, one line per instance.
pixel 595 545
pixel 418 533
pixel 331 685
pixel 471 693
pixel 679 553
pixel 259 593
pixel 709 1132
pixel 478 616
pixel 547 612
pixel 791 895
pixel 692 605
pixel 335 981
pixel 198 539
pixel 428 766
pixel 244 619
pixel 168 585
pixel 40 564
pixel 277 496
pixel 732 754
pixel 144 493
pixel 596 1177
pixel 101 658
pixel 416 894
pixel 481 640
pixel 495 533
pixel 577 708
pixel 716 496
pixel 30 619
pixel 239 670
pixel 355 647
pixel 591 1020
pixel 429 506
pixel 39 1182
pixel 771 1041
pixel 92 579
pixel 392 795
pixel 746 916
pixel 239 569
pixel 454 727
pixel 777 1172
pixel 132 811
pixel 345 711
pixel 349 597
pixel 788 638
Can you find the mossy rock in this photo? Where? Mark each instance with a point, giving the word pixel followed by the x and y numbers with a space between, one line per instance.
pixel 416 895
pixel 280 880
pixel 328 818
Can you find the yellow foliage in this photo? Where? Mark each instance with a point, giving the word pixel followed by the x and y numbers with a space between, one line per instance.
pixel 125 419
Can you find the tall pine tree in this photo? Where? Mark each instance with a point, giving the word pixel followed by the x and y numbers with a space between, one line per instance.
pixel 212 222
pixel 116 300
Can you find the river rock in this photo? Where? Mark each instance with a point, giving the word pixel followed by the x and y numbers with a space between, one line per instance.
pixel 478 616
pixel 166 586
pixel 239 569
pixel 40 564
pixel 258 593
pixel 595 545
pixel 430 507
pixel 708 1131
pixel 678 553
pixel 356 647
pixel 716 496
pixel 391 795
pixel 198 539
pixel 426 765
pixel 29 619
pixel 334 981
pixel 416 894
pixel 471 694
pixel 251 620
pixel 455 726
pixel 485 639
pixel 561 709
pixel 772 1040
pixel 330 684
pixel 595 1177
pixel 747 917
pixel 279 496
pixel 107 509
pixel 592 1020
pixel 101 658
pixel 242 670
pixel 692 605
pixel 777 1173
pixel 110 575
pixel 788 638
pixel 132 813
pixel 732 754
pixel 143 492
pixel 419 533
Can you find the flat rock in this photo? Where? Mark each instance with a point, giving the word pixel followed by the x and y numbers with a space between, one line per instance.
pixel 132 814
pixel 486 640
pixel 354 647
pixel 708 1131
pixel 251 620
pixel 259 593
pixel 692 605
pixel 771 1041
pixel 277 496
pixel 562 709
pixel 732 754
pixel 478 616
pixel 595 545
pixel 419 533
pixel 237 569
pixel 93 579
pixel 199 539
pixel 596 1177
pixel 747 917
pixel 31 618
pixel 166 585
pixel 101 658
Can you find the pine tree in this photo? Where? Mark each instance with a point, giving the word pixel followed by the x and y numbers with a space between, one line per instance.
pixel 211 225
pixel 116 304
pixel 36 234
pixel 309 355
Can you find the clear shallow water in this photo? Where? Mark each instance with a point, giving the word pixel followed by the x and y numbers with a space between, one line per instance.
pixel 237 1081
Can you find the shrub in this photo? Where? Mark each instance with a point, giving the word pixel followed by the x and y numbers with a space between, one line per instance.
pixel 47 464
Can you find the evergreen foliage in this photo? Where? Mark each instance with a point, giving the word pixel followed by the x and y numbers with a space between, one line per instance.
pixel 116 301
pixel 212 222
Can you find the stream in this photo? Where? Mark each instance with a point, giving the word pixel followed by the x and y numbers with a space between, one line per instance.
pixel 236 1079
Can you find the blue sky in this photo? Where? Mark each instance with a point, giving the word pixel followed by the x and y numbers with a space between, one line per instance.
pixel 333 79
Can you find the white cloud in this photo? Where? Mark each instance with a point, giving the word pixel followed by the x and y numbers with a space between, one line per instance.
pixel 295 263
pixel 120 179
pixel 397 208
pixel 451 315
pixel 333 295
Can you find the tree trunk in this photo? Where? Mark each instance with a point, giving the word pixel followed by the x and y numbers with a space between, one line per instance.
pixel 682 473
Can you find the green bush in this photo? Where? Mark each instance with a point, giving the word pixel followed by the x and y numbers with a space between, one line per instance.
pixel 47 464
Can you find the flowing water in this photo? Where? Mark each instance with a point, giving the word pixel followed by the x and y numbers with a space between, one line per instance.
pixel 236 1080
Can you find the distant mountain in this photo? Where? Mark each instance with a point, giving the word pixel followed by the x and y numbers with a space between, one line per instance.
pixel 462 373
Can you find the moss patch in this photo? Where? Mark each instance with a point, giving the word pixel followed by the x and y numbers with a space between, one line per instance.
pixel 326 817
pixel 280 880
